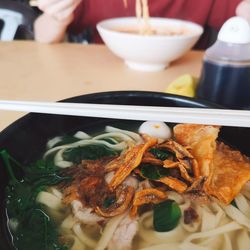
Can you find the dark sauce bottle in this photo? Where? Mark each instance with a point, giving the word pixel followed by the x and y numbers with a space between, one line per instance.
pixel 225 77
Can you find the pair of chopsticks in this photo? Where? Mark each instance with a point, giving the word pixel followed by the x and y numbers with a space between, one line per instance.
pixel 223 117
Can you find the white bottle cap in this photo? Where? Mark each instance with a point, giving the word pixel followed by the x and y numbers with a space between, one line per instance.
pixel 235 30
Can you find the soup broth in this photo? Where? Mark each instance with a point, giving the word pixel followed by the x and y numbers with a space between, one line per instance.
pixel 156 31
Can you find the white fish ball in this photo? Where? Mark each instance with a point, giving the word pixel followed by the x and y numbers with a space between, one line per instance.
pixel 156 129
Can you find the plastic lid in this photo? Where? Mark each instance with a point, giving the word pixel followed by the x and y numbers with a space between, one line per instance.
pixel 235 30
pixel 233 43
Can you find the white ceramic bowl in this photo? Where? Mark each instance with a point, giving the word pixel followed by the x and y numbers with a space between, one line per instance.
pixel 144 52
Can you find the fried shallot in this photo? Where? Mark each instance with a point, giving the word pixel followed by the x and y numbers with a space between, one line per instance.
pixel 130 160
pixel 124 196
pixel 146 196
pixel 174 183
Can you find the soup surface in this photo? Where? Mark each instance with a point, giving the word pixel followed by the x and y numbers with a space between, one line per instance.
pixel 157 31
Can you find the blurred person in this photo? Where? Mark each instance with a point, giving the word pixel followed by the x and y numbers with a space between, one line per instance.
pixel 75 16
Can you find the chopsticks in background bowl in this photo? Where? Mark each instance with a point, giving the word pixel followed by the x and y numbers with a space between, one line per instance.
pixel 223 117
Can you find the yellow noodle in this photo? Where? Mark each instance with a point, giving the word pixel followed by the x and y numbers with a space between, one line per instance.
pixel 148 234
pixel 136 137
pixel 56 192
pixel 109 231
pixel 243 204
pixel 142 13
pixel 75 242
pixel 50 200
pixel 138 9
pixel 237 215
pixel 227 244
pixel 174 246
pixel 232 226
pixel 210 220
pixel 83 237
pixel 246 190
pixel 243 240
pixel 122 137
pixel 68 222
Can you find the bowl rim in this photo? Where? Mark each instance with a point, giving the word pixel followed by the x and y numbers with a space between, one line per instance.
pixel 199 29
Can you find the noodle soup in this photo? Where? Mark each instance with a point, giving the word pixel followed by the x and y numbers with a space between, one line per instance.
pixel 144 27
pixel 154 187
pixel 155 31
pixel 166 39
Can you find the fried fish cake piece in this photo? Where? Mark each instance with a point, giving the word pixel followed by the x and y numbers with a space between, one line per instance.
pixel 230 170
pixel 201 140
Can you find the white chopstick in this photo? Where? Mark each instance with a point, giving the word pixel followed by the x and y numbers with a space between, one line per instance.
pixel 223 117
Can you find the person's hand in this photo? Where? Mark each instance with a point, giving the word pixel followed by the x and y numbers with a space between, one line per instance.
pixel 60 10
pixel 243 9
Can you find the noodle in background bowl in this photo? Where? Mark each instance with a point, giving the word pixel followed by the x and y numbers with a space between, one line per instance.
pixel 149 52
pixel 26 138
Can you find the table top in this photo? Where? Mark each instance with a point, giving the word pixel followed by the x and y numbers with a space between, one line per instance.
pixel 42 72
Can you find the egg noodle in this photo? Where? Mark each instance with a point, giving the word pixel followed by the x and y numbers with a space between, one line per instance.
pixel 218 226
pixel 142 14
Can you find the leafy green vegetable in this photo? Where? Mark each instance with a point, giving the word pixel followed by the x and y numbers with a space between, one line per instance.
pixel 35 230
pixel 153 172
pixel 38 232
pixel 160 154
pixel 44 172
pixel 42 166
pixel 109 201
pixel 166 216
pixel 9 163
pixel 89 152
pixel 233 203
pixel 20 198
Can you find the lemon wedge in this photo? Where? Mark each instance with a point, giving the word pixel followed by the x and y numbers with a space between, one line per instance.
pixel 184 85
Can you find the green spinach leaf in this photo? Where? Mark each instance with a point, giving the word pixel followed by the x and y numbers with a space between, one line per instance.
pixel 35 230
pixel 233 203
pixel 38 232
pixel 109 201
pixel 160 153
pixel 153 172
pixel 89 152
pixel 166 216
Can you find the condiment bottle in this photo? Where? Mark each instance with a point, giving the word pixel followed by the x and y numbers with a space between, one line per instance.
pixel 225 77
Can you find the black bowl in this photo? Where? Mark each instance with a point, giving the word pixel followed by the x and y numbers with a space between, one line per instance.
pixel 26 138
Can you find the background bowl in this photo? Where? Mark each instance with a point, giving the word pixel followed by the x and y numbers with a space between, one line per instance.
pixel 26 138
pixel 148 53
